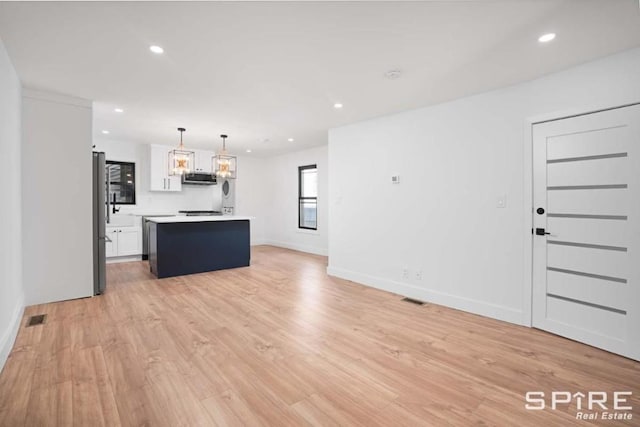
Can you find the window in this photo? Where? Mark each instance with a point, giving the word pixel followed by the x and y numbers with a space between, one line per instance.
pixel 122 182
pixel 308 197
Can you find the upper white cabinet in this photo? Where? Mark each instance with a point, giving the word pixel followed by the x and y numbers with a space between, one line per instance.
pixel 159 170
pixel 203 161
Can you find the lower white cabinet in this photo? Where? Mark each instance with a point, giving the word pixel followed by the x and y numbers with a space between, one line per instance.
pixel 111 246
pixel 123 241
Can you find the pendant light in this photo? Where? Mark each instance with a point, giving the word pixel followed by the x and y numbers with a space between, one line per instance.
pixel 181 161
pixel 224 165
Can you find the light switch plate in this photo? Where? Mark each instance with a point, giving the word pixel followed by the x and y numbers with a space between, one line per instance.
pixel 501 201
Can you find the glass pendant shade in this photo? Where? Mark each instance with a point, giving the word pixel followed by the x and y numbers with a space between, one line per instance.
pixel 224 165
pixel 181 161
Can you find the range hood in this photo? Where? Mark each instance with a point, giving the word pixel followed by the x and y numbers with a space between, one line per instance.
pixel 199 178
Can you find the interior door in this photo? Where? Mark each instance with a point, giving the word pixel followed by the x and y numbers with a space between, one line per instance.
pixel 586 250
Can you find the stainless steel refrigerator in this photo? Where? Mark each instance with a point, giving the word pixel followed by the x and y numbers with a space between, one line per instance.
pixel 100 210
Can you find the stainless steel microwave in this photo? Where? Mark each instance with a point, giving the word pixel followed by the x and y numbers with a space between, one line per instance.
pixel 199 178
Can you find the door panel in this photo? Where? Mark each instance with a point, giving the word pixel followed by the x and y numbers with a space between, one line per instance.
pixel 586 271
pixel 588 318
pixel 590 231
pixel 604 171
pixel 593 290
pixel 604 262
pixel 611 201
pixel 590 142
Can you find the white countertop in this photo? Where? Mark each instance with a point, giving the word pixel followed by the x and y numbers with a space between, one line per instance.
pixel 171 219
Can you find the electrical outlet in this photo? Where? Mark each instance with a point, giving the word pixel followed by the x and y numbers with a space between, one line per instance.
pixel 405 273
pixel 418 275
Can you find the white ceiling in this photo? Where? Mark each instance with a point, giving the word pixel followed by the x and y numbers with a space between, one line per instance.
pixel 262 70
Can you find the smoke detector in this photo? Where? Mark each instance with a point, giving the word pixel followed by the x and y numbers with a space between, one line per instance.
pixel 393 74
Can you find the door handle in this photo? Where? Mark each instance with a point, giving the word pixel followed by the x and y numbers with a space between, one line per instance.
pixel 541 232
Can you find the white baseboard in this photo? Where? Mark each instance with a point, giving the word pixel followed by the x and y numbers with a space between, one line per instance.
pixel 482 308
pixel 9 335
pixel 296 247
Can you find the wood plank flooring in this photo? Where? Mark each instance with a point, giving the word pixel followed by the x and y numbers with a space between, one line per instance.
pixel 282 344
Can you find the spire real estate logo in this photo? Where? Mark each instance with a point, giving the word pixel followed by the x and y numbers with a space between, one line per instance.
pixel 589 405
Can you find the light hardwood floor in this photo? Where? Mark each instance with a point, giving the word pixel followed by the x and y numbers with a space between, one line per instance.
pixel 280 343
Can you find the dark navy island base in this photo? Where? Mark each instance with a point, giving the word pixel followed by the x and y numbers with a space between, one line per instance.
pixel 179 248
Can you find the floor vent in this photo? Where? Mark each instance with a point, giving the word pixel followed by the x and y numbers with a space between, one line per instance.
pixel 37 320
pixel 413 301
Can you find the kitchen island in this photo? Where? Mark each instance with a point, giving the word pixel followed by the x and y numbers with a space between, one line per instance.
pixel 182 245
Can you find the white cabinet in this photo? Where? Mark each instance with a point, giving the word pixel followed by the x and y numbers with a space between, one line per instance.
pixel 203 161
pixel 159 170
pixel 129 241
pixel 111 245
pixel 125 241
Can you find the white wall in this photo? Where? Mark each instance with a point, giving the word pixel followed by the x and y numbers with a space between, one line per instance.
pixel 11 288
pixel 253 194
pixel 250 187
pixel 454 160
pixel 56 197
pixel 282 208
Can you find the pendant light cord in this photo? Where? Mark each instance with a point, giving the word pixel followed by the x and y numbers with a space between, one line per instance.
pixel 224 143
pixel 181 144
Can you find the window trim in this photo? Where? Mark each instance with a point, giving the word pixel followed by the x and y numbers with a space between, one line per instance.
pixel 134 177
pixel 301 198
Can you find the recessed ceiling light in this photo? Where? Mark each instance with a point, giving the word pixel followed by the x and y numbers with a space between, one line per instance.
pixel 156 49
pixel 248 150
pixel 118 110
pixel 546 37
pixel 337 105
pixel 393 74
pixel 290 140
pixel 106 132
